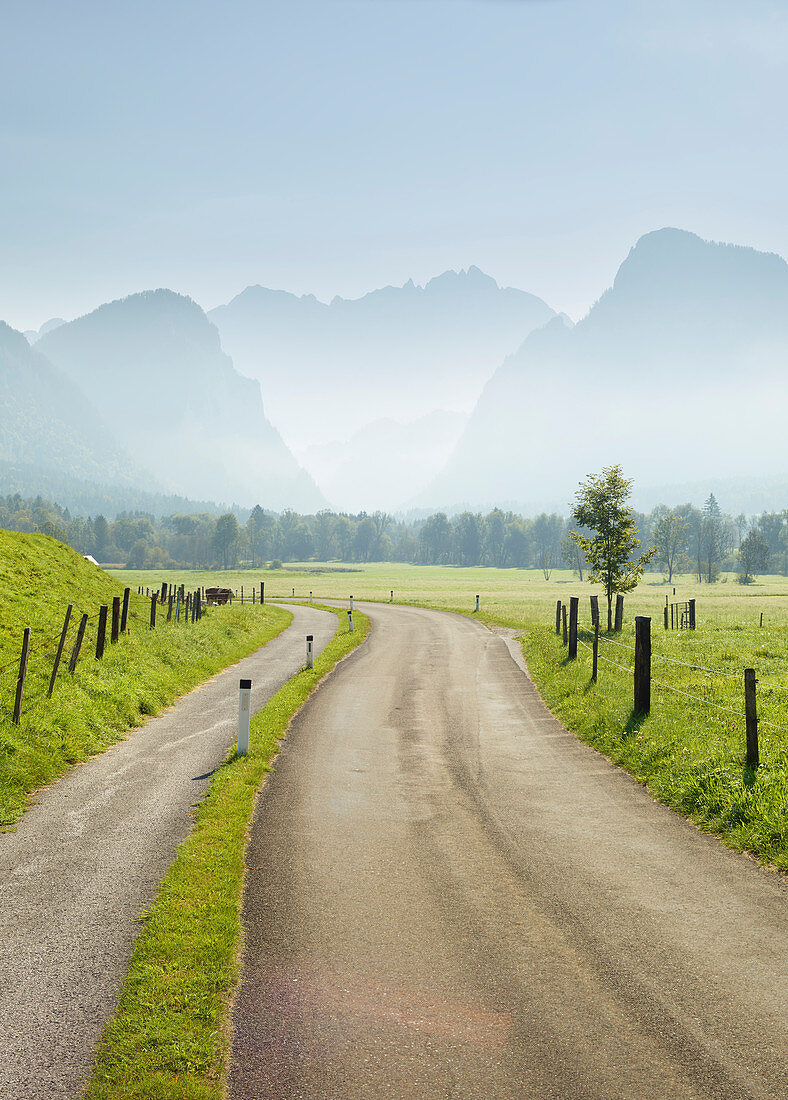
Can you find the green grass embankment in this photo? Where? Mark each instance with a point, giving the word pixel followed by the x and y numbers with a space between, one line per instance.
pixel 138 676
pixel 169 1038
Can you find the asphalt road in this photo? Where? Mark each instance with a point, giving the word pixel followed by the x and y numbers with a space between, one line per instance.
pixel 89 857
pixel 449 896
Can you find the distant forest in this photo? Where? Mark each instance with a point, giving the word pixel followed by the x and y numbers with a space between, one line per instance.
pixel 705 540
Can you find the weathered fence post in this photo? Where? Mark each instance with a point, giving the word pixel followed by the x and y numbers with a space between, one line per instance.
pixel 115 629
pixel 101 633
pixel 309 651
pixel 573 604
pixel 563 622
pixel 153 612
pixel 72 664
pixel 596 648
pixel 178 607
pixel 594 609
pixel 642 664
pixel 169 606
pixel 665 613
pixel 164 588
pixel 619 623
pixel 262 591
pixel 20 682
pixel 558 616
pixel 751 717
pixel 692 614
pixel 124 615
pixel 59 653
pixel 761 622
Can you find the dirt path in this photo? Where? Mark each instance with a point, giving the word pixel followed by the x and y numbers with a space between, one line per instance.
pixel 449 896
pixel 88 858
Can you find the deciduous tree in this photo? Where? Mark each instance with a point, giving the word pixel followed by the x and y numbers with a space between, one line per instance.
pixel 601 506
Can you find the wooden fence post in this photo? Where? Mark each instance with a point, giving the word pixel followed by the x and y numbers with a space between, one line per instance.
pixel 596 648
pixel 573 603
pixel 262 591
pixel 563 623
pixel 59 653
pixel 115 631
pixel 642 664
pixel 692 614
pixel 619 622
pixel 164 588
pixel 558 616
pixel 594 609
pixel 153 611
pixel 101 633
pixel 169 606
pixel 72 664
pixel 665 613
pixel 124 618
pixel 751 717
pixel 20 682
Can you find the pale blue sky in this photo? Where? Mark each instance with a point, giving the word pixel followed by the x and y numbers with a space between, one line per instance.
pixel 337 146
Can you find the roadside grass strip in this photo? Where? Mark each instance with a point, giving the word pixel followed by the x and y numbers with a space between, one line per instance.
pixel 690 750
pixel 140 675
pixel 169 1038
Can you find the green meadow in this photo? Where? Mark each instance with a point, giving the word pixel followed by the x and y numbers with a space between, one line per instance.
pixel 139 675
pixel 690 749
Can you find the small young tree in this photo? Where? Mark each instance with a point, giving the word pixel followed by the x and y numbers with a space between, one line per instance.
pixel 601 506
pixel 753 556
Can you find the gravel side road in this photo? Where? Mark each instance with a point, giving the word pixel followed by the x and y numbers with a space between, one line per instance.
pixel 449 896
pixel 88 858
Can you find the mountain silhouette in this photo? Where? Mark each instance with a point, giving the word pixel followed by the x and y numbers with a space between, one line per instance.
pixel 327 370
pixel 153 366
pixel 678 372
pixel 47 423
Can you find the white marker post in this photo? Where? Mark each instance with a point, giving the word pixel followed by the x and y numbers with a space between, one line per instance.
pixel 310 595
pixel 244 714
pixel 309 650
pixel 391 597
pixel 350 621
pixel 351 603
pixel 477 603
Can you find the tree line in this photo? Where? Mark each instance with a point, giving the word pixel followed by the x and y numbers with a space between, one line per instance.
pixel 704 541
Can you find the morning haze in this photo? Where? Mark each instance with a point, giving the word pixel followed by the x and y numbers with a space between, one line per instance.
pixel 394 530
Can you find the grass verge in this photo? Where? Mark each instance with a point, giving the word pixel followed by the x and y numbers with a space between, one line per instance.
pixel 168 1039
pixel 137 677
pixel 689 752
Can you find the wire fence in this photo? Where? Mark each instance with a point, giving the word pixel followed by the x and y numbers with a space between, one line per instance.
pixel 47 655
pixel 641 655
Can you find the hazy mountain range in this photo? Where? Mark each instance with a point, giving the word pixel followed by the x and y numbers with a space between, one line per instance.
pixel 456 394
pixel 154 368
pixel 679 372
pixel 398 353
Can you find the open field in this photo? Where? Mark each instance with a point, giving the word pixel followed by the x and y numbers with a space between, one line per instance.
pixel 690 750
